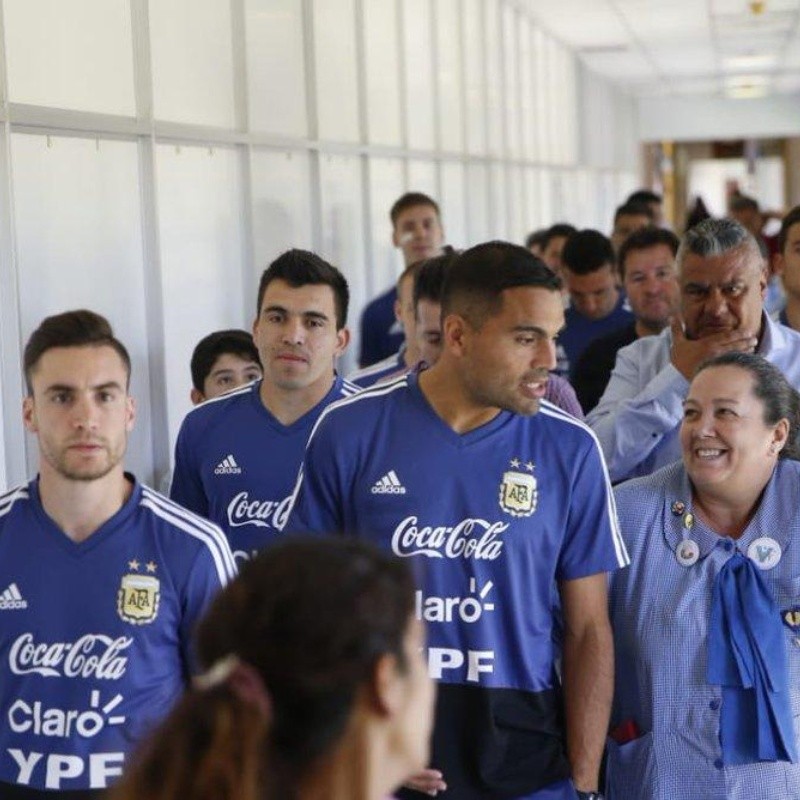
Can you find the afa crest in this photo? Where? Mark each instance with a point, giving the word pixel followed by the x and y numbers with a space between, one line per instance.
pixel 138 598
pixel 518 494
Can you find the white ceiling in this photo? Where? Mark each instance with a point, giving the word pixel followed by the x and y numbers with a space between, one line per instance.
pixel 682 47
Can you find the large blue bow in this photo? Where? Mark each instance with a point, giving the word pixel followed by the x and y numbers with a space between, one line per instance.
pixel 747 657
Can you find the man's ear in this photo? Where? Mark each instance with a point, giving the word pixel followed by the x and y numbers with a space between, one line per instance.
pixel 196 396
pixel 29 414
pixel 342 340
pixel 455 330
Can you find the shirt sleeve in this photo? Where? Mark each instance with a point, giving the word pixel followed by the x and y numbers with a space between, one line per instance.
pixel 592 542
pixel 630 421
pixel 317 501
pixel 186 487
pixel 212 569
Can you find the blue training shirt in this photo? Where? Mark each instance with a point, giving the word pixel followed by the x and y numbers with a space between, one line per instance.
pixel 490 519
pixel 95 635
pixel 236 464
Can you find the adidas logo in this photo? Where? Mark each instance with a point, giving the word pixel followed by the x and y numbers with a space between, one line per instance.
pixel 389 484
pixel 11 599
pixel 228 466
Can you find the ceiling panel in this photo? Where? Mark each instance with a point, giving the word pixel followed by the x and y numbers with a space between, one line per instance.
pixel 678 46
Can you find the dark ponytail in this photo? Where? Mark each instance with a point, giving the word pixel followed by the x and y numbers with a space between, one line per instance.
pixel 211 747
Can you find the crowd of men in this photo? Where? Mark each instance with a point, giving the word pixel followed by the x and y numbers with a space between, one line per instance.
pixel 459 444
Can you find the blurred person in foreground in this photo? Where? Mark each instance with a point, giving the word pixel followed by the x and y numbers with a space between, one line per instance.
pixel 706 619
pixel 315 685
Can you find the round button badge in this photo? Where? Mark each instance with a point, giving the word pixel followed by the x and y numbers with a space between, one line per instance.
pixel 687 553
pixel 764 552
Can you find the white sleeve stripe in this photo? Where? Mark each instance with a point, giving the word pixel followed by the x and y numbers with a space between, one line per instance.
pixel 197 526
pixel 364 394
pixel 248 387
pixel 7 500
pixel 201 523
pixel 217 553
pixel 616 534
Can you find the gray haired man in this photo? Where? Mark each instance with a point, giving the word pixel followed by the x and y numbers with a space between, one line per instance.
pixel 722 279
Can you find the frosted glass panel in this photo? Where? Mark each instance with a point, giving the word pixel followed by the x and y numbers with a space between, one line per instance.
pixel 549 216
pixel 382 47
pixel 527 89
pixel 494 82
pixel 533 205
pixel 543 108
pixel 498 202
pixel 477 203
pixel 191 46
pixel 343 233
pixel 474 77
pixel 275 66
pixel 56 57
pixel 337 97
pixel 453 203
pixel 201 258
pixel 281 205
pixel 386 185
pixel 79 242
pixel 419 69
pixel 516 205
pixel 511 80
pixel 422 178
pixel 451 114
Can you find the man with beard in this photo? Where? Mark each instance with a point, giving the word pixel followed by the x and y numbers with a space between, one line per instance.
pixel 501 500
pixel 101 579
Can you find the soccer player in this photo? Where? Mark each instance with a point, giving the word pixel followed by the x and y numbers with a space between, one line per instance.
pixel 221 362
pixel 499 499
pixel 237 456
pixel 418 233
pixel 102 578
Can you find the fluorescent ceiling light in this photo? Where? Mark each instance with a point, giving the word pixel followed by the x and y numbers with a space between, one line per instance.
pixel 749 62
pixel 741 86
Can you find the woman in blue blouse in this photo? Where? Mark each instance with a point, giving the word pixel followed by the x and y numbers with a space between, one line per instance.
pixel 707 617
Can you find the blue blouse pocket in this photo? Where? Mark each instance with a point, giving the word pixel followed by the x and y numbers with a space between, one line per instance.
pixel 631 769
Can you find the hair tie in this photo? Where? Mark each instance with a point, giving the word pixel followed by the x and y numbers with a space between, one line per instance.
pixel 217 674
pixel 240 677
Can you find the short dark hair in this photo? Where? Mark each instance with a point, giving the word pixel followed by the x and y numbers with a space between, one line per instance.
pixel 206 352
pixel 538 238
pixel 779 398
pixel 81 328
pixel 587 251
pixel 477 278
pixel 560 229
pixel 304 268
pixel 644 196
pixel 742 202
pixel 792 218
pixel 430 278
pixel 645 238
pixel 410 200
pixel 633 209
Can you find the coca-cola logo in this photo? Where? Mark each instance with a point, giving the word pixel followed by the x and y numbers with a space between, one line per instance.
pixel 471 538
pixel 261 513
pixel 94 655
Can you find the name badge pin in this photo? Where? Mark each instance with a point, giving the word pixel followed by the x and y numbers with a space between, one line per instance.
pixel 678 507
pixel 687 553
pixel 764 552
